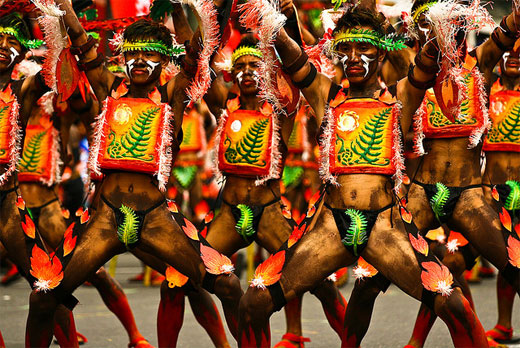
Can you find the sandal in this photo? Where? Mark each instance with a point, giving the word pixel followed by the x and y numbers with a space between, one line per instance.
pixel 500 333
pixel 494 344
pixel 81 338
pixel 140 342
pixel 292 341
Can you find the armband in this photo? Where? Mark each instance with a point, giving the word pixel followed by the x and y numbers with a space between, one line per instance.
pixel 431 69
pixel 500 44
pixel 418 84
pixel 91 64
pixel 297 64
pixel 81 50
pixel 306 82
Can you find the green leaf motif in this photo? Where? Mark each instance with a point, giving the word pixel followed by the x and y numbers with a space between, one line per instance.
pixel 509 129
pixel 127 231
pixel 248 149
pixel 367 145
pixel 513 199
pixel 293 138
pixel 438 201
pixel 134 142
pixel 32 153
pixel 292 175
pixel 356 234
pixel 2 115
pixel 244 225
pixel 160 8
pixel 185 175
pixel 186 134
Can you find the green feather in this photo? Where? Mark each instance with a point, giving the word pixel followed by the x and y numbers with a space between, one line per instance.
pixel 513 199
pixel 439 200
pixel 292 176
pixel 357 232
pixel 185 175
pixel 244 225
pixel 127 231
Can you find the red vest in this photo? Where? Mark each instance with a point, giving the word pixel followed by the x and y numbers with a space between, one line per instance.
pixel 10 132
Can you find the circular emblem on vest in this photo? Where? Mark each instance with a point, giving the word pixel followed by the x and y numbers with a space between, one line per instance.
pixel 122 114
pixel 348 121
pixel 236 125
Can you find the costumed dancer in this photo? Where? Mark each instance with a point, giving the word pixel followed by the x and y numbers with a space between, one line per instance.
pixel 501 179
pixel 136 137
pixel 361 151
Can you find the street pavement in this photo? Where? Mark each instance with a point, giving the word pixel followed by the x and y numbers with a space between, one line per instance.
pixel 392 322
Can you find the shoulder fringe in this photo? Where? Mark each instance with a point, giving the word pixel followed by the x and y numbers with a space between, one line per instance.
pixel 307 148
pixel 476 135
pixel 326 148
pixel 165 149
pixel 276 157
pixel 210 34
pixel 97 126
pixel 219 177
pixel 15 140
pixel 418 129
pixel 398 158
pixel 264 16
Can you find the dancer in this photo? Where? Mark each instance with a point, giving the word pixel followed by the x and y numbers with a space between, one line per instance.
pixel 357 216
pixel 131 202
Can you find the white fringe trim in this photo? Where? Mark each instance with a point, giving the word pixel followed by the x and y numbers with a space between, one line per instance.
pixel 15 141
pixel 418 129
pixel 95 146
pixel 215 152
pixel 165 149
pixel 326 147
pixel 56 163
pixel 397 147
pixel 476 135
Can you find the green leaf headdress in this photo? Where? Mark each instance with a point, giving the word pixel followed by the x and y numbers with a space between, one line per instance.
pixel 24 41
pixel 420 10
pixel 386 42
pixel 123 45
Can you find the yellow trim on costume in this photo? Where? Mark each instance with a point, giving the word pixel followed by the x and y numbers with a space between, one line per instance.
pixel 421 9
pixel 245 51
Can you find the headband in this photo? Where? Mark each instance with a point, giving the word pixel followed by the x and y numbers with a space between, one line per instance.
pixel 386 42
pixel 245 51
pixel 29 44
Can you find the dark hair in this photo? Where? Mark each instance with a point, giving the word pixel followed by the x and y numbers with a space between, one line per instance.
pixel 14 20
pixel 356 17
pixel 248 40
pixel 145 29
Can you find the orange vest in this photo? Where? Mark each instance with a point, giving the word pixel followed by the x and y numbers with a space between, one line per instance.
pixel 10 132
pixel 362 135
pixel 134 134
pixel 248 142
pixel 194 136
pixel 504 112
pixel 472 121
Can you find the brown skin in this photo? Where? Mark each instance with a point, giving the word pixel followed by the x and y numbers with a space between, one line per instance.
pixel 308 265
pixel 160 235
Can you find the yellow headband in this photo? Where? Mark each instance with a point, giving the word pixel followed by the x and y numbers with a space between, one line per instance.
pixel 421 9
pixel 245 51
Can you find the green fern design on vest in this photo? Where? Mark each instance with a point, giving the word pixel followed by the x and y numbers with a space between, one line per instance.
pixel 32 153
pixel 513 199
pixel 244 225
pixel 2 115
pixel 293 138
pixel 367 145
pixel 509 128
pixel 249 148
pixel 292 175
pixel 133 143
pixel 185 175
pixel 356 234
pixel 127 231
pixel 186 138
pixel 438 201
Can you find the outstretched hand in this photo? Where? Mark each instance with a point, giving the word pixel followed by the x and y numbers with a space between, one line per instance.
pixel 287 8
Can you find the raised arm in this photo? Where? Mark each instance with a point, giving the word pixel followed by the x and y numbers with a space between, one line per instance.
pixel 182 27
pixel 421 76
pixel 502 39
pixel 99 76
pixel 314 86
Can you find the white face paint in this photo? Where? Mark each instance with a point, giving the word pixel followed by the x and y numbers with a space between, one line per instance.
pixel 344 61
pixel 425 31
pixel 129 66
pixel 366 63
pixel 239 77
pixel 505 57
pixel 256 77
pixel 13 55
pixel 151 66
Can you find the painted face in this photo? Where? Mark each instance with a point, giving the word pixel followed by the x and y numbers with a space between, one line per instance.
pixel 245 74
pixel 143 67
pixel 510 64
pixel 359 59
pixel 424 29
pixel 10 51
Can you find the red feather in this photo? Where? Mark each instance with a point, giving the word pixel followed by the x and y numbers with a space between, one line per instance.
pixel 208 218
pixel 79 211
pixel 47 271
pixel 67 74
pixel 436 278
pixel 513 251
pixel 84 217
pixel 269 271
pixel 419 244
pixel 406 215
pixel 172 207
pixel 175 278
pixel 505 219
pixel 20 203
pixel 495 194
pixel 215 262
pixel 190 230
pixel 65 213
pixel 69 243
pixel 311 211
pixel 28 227
pixel 296 234
pixel 155 96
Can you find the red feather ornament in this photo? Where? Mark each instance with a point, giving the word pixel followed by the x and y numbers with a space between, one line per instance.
pixel 47 271
pixel 269 271
pixel 215 262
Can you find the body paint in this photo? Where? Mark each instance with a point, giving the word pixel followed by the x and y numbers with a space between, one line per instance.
pixel 151 66
pixel 129 66
pixel 505 57
pixel 344 61
pixel 13 55
pixel 239 77
pixel 366 62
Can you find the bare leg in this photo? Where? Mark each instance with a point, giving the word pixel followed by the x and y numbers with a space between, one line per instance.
pixel 170 315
